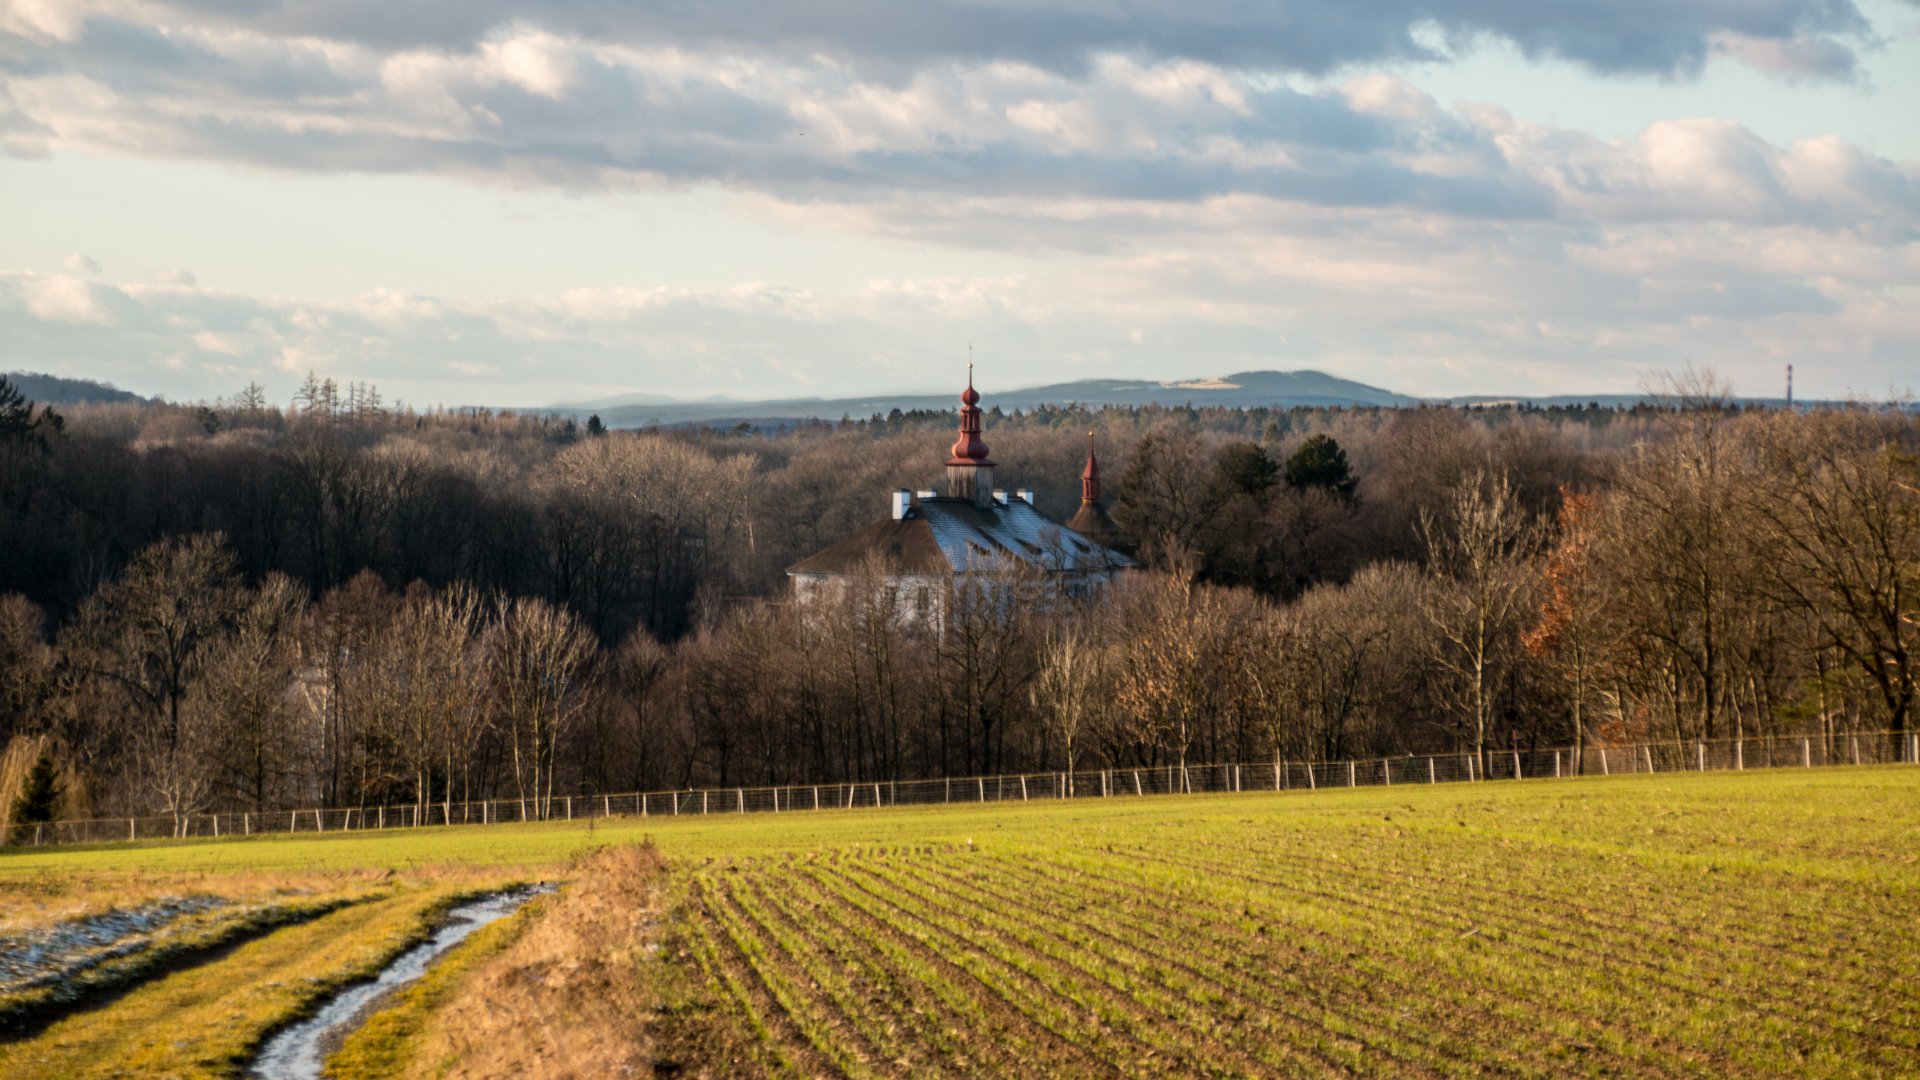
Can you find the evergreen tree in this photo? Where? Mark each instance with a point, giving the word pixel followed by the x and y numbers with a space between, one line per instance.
pixel 19 424
pixel 38 799
pixel 1320 462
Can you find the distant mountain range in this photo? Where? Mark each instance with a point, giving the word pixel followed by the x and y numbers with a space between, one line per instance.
pixel 1283 389
pixel 56 391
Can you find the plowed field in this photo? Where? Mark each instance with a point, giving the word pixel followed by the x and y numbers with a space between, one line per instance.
pixel 1687 925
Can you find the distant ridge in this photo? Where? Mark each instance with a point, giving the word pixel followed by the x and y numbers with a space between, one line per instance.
pixel 55 390
pixel 1281 389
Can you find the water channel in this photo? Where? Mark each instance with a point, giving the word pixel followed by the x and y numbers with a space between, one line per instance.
pixel 299 1052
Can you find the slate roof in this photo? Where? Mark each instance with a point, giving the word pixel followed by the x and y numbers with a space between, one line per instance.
pixel 942 537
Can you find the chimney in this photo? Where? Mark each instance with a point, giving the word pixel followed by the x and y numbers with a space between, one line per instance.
pixel 1025 495
pixel 999 496
pixel 902 500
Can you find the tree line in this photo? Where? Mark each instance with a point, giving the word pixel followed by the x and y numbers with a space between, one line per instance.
pixel 347 603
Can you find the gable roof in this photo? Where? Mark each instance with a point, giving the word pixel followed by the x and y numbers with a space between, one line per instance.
pixel 942 537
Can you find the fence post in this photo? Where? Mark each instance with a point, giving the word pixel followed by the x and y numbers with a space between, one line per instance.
pixel 1806 753
pixel 1276 776
pixel 1471 762
pixel 1700 754
pixel 1136 782
pixel 1603 762
pixel 1855 740
pixel 1104 792
pixel 1386 770
pixel 1556 764
pixel 1516 764
pixel 876 796
pixel 1351 781
pixel 1431 777
pixel 1023 787
pixel 1740 755
pixel 1649 749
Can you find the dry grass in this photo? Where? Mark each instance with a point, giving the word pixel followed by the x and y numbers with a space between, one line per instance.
pixel 561 995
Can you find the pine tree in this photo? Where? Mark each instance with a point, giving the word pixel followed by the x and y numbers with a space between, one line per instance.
pixel 38 799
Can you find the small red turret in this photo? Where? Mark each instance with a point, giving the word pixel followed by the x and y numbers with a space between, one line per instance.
pixel 1090 477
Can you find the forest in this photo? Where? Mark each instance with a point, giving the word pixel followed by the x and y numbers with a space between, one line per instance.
pixel 235 605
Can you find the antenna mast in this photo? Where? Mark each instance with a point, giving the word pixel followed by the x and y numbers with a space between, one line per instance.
pixel 1789 386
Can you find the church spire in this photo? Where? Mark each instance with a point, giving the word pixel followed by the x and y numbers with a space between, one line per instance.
pixel 969 469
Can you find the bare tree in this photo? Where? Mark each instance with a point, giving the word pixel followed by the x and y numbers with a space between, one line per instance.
pixel 1841 505
pixel 1066 689
pixel 1477 557
pixel 244 697
pixel 149 635
pixel 541 661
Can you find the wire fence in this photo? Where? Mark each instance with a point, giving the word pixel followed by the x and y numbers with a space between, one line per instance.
pixel 1762 752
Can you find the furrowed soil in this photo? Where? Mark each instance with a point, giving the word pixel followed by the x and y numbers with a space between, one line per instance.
pixel 1684 925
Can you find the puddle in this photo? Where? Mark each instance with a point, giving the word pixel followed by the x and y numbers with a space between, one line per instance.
pixel 36 958
pixel 298 1052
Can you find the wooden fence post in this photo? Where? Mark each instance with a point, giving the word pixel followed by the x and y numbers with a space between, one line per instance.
pixel 1386 770
pixel 1855 740
pixel 1311 784
pixel 1556 764
pixel 1516 764
pixel 1136 783
pixel 1806 753
pixel 1023 787
pixel 1351 779
pixel 1603 762
pixel 1700 754
pixel 1432 777
pixel 1649 749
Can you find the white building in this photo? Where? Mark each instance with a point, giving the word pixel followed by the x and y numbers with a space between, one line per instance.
pixel 929 541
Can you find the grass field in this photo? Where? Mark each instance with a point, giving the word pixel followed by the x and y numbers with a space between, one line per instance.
pixel 1705 924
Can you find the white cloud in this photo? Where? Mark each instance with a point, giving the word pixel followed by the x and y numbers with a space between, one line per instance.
pixel 66 298
pixel 208 341
pixel 81 264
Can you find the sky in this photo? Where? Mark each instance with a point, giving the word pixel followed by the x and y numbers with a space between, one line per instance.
pixel 502 203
